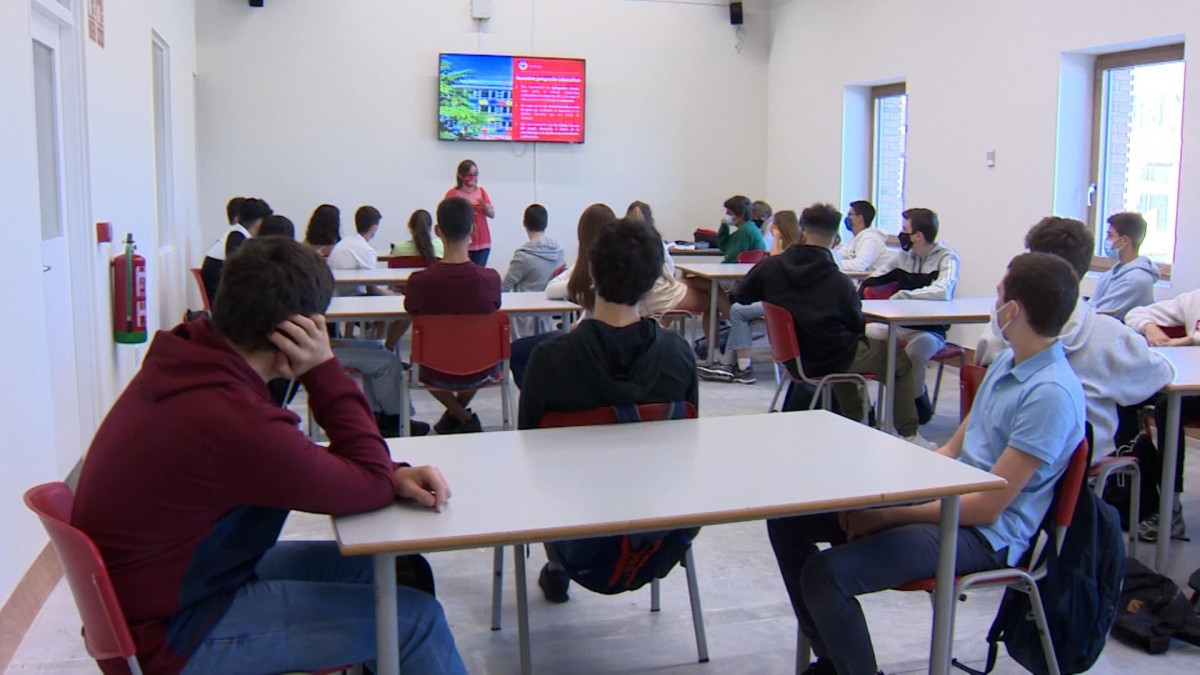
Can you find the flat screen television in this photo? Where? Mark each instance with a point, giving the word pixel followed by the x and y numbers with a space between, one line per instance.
pixel 488 97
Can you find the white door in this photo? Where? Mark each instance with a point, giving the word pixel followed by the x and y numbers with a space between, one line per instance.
pixel 56 264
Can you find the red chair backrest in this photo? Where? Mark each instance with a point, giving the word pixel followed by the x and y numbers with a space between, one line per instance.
pixel 969 379
pixel 880 292
pixel 460 344
pixel 105 631
pixel 751 256
pixel 558 270
pixel 1066 493
pixel 781 333
pixel 1174 331
pixel 398 261
pixel 649 412
pixel 203 291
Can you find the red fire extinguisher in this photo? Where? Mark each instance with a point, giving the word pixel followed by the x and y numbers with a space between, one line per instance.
pixel 129 295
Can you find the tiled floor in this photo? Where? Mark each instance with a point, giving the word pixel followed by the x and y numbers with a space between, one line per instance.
pixel 751 628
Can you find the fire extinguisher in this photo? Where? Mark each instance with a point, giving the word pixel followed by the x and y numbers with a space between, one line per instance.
pixel 129 295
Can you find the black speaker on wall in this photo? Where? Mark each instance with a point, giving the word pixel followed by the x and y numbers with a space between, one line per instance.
pixel 256 3
pixel 735 14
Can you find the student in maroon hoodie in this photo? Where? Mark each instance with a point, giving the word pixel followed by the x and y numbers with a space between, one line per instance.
pixel 192 474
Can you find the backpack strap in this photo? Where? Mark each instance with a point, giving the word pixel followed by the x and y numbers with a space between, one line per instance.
pixel 627 413
pixel 678 410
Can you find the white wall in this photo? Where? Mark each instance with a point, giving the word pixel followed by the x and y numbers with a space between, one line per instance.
pixel 980 76
pixel 307 101
pixel 120 162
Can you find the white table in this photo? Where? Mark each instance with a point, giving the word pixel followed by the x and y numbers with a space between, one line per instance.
pixel 1186 383
pixel 522 487
pixel 383 307
pixel 900 313
pixel 380 276
pixel 716 273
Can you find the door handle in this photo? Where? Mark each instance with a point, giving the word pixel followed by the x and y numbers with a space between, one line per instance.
pixel 1091 194
pixel 45 268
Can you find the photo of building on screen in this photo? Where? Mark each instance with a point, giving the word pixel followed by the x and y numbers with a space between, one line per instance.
pixel 475 98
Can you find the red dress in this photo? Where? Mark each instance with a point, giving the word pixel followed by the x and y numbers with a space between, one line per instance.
pixel 481 236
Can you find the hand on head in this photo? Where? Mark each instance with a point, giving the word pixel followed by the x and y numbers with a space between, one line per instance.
pixel 303 344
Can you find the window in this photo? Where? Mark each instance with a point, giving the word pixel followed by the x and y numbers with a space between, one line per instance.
pixel 888 144
pixel 1138 108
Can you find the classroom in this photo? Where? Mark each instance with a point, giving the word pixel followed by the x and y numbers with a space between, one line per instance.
pixel 137 121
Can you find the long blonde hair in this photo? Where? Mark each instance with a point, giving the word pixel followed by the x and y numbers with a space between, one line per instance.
pixel 579 286
pixel 788 226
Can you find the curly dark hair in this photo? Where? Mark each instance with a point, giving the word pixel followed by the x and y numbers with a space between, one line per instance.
pixel 267 280
pixel 626 259
pixel 1066 238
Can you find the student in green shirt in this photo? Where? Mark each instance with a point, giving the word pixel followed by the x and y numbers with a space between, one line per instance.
pixel 738 233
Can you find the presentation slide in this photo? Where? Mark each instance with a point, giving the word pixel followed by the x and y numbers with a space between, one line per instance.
pixel 511 98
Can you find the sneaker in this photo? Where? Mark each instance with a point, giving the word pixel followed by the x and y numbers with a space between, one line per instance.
pixel 389 426
pixel 922 442
pixel 715 373
pixel 1148 528
pixel 744 376
pixel 447 424
pixel 418 428
pixel 554 584
pixel 472 427
pixel 820 667
pixel 924 409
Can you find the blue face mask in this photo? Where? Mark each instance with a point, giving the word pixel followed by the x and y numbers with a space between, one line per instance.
pixel 1110 251
pixel 849 225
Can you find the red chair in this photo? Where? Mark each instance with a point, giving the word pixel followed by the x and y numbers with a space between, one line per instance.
pixel 649 412
pixel 401 261
pixel 203 291
pixel 970 376
pixel 751 257
pixel 785 349
pixel 558 270
pixel 459 345
pixel 948 352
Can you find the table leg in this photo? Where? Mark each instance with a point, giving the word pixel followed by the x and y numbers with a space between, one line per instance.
pixel 943 604
pixel 887 425
pixel 522 610
pixel 387 629
pixel 1166 491
pixel 712 322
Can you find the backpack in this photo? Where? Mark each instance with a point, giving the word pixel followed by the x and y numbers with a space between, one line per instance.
pixel 1153 611
pixel 625 562
pixel 906 281
pixel 1119 490
pixel 1080 594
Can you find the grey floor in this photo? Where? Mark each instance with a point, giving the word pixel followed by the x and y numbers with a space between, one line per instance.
pixel 750 624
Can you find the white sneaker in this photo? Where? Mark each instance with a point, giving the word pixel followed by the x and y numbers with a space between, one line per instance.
pixel 922 442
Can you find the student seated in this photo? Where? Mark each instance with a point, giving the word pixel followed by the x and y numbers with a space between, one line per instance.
pixel 867 249
pixel 1026 422
pixel 737 232
pixel 192 473
pixel 1114 365
pixel 324 229
pixel 421 240
pixel 455 285
pixel 355 252
pixel 1130 282
pixel 762 215
pixel 614 357
pixel 276 226
pixel 734 364
pixel 925 270
pixel 532 265
pixel 245 215
pixel 669 293
pixel 1182 310
pixel 805 280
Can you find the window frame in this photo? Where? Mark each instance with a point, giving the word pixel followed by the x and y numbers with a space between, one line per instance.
pixel 880 92
pixel 1104 63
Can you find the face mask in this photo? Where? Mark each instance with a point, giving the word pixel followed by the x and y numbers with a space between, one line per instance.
pixel 1004 326
pixel 727 219
pixel 1110 250
pixel 905 241
pixel 848 224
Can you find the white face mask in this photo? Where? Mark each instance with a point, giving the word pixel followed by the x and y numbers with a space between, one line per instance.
pixel 727 219
pixel 1004 326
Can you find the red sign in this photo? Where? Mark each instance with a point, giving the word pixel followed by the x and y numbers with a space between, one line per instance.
pixel 547 98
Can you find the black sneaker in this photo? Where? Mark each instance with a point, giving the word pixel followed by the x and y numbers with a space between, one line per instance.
pixel 389 425
pixel 472 427
pixel 924 409
pixel 448 424
pixel 418 428
pixel 554 584
pixel 715 373
pixel 744 376
pixel 820 667
pixel 1148 528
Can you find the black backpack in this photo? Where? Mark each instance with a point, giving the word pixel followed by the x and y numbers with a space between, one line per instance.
pixel 1080 593
pixel 1153 611
pixel 625 562
pixel 1119 490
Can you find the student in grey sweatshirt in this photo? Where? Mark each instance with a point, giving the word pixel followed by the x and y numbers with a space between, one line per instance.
pixel 534 262
pixel 1130 283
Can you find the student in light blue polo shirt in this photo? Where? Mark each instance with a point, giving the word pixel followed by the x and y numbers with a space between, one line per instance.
pixel 1027 419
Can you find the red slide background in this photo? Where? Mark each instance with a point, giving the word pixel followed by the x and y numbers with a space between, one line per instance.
pixel 547 100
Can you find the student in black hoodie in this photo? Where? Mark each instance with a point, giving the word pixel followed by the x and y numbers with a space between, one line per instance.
pixel 615 357
pixel 806 281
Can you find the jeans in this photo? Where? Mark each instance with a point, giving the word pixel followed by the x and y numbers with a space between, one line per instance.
pixel 871 358
pixel 824 585
pixel 382 371
pixel 480 257
pixel 920 345
pixel 312 608
pixel 740 318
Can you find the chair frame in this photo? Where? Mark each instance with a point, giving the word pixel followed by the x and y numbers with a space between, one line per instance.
pixel 785 348
pixel 649 412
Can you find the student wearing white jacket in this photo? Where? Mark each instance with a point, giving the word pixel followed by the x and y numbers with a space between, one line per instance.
pixel 867 249
pixel 1115 366
pixel 1130 282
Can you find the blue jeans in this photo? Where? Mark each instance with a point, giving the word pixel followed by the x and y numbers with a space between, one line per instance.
pixel 479 257
pixel 824 585
pixel 740 318
pixel 312 608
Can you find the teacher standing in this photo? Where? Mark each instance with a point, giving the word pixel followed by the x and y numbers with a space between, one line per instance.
pixel 467 187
